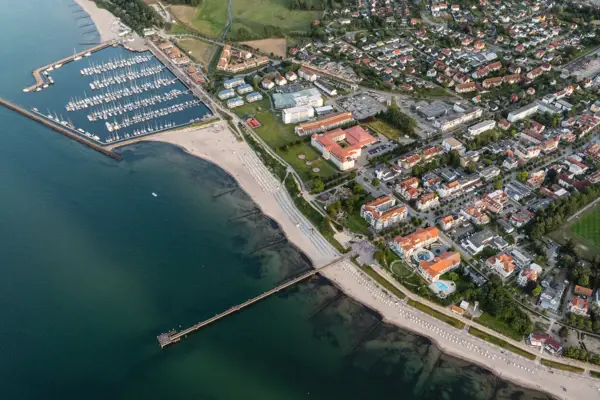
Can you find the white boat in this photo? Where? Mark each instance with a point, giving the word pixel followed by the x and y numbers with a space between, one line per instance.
pixel 88 54
pixel 26 90
pixel 50 68
pixel 154 194
pixel 77 58
pixel 57 66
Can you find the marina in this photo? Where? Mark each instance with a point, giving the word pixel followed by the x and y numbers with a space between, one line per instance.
pixel 110 94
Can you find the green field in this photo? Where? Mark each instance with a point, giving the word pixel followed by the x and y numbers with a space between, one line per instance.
pixel 499 326
pixel 385 129
pixel 499 342
pixel 357 224
pixel 306 173
pixel 200 51
pixel 436 314
pixel 564 367
pixel 588 226
pixel 211 17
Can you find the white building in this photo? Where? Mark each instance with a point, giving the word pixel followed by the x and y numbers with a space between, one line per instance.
pixel 481 127
pixel 294 115
pixel 307 74
pixel 451 144
pixel 383 212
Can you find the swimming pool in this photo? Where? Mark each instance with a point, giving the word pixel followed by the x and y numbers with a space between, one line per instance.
pixel 442 286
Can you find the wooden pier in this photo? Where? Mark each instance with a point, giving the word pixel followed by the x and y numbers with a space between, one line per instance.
pixel 38 73
pixel 70 133
pixel 172 337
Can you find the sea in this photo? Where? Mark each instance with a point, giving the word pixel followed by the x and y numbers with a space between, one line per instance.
pixel 94 267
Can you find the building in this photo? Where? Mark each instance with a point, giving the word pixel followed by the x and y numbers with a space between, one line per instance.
pixel 404 246
pixel 502 265
pixel 494 202
pixel 354 139
pixel 307 74
pixel 235 102
pixel 531 109
pixel 235 61
pixel 521 217
pixel 245 88
pixel 583 291
pixel 291 76
pixel 520 259
pixel 455 120
pixel 306 97
pixel 481 127
pixel 326 88
pixel 550 297
pixel 510 163
pixel 324 124
pixel 294 115
pixel 545 341
pixel 474 212
pixel 233 82
pixel 446 262
pixel 280 80
pixel 427 201
pixel 477 242
pixel 267 84
pixel 579 306
pixel 383 212
pixel 254 96
pixel 489 173
pixel 409 161
pixel 529 274
pixel 226 94
pixel 450 221
pixel 576 167
pixel 451 144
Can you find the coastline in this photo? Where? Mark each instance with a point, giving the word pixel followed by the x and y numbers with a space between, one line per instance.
pixel 102 18
pixel 219 146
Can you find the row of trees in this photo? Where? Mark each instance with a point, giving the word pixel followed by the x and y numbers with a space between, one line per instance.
pixel 554 216
pixel 185 2
pixel 497 300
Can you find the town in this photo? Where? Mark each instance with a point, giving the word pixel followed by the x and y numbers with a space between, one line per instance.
pixel 451 148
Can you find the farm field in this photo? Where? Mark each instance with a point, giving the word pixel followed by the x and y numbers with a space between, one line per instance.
pixel 201 52
pixel 276 46
pixel 211 17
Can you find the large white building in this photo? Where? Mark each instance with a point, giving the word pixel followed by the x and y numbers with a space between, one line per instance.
pixel 307 97
pixel 383 212
pixel 294 115
pixel 455 120
pixel 481 127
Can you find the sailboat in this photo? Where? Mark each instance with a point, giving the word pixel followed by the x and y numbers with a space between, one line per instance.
pixel 75 57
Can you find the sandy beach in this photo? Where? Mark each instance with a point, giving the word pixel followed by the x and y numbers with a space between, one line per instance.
pixel 219 146
pixel 102 18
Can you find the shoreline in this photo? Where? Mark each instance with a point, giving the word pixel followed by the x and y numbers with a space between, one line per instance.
pixel 102 19
pixel 219 147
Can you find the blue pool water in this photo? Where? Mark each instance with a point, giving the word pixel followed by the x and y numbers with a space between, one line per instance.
pixel 442 286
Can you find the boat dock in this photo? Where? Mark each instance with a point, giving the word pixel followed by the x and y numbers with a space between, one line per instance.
pixel 38 73
pixel 173 336
pixel 71 133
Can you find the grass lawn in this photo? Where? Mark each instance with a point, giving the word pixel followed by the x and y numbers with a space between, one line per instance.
pixel 200 51
pixel 497 325
pixel 306 171
pixel 253 109
pixel 588 226
pixel 436 314
pixel 501 343
pixel 564 367
pixel 382 281
pixel 385 129
pixel 209 18
pixel 270 131
pixel 357 224
pixel 255 15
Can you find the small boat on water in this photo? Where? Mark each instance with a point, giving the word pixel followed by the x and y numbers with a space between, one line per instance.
pixel 154 194
pixel 57 66
pixel 88 54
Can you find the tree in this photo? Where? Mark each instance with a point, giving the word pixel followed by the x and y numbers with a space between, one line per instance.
pixel 375 182
pixel 522 176
pixel 536 292
pixel 498 183
pixel 318 186
pixel 563 332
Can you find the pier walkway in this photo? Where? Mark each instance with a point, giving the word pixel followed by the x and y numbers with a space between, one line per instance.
pixel 37 73
pixel 168 338
pixel 58 128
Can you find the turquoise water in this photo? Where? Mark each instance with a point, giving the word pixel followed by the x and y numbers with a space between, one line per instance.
pixel 94 267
